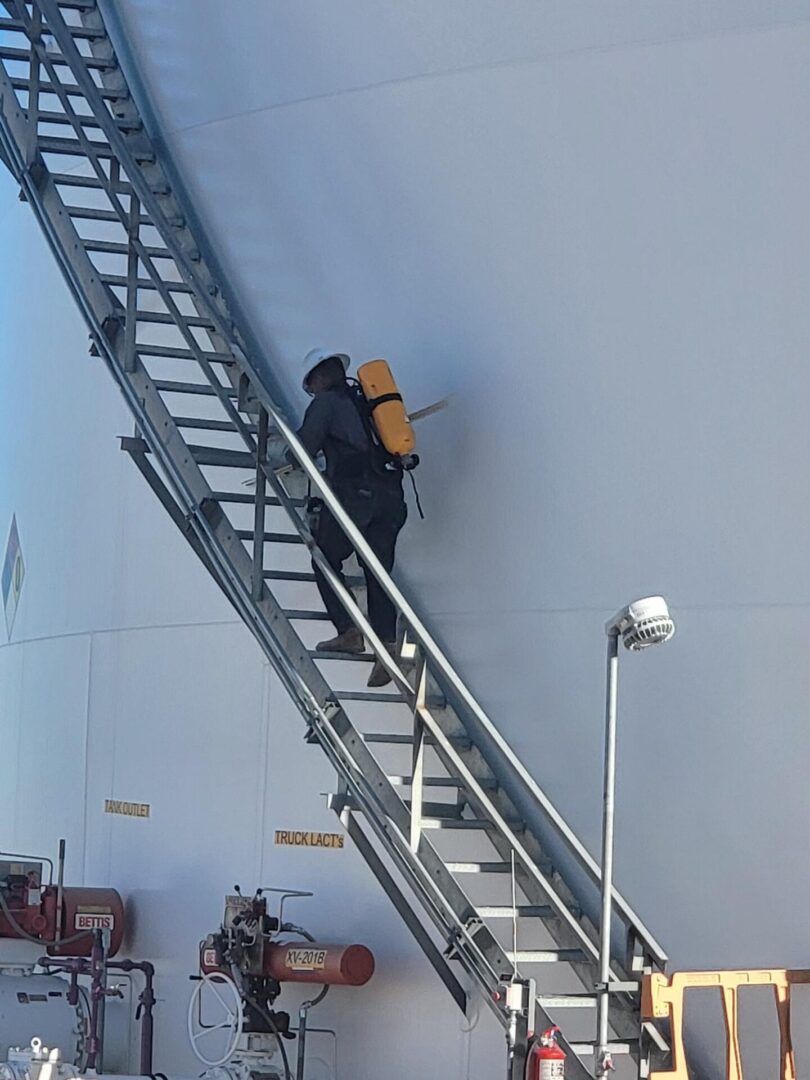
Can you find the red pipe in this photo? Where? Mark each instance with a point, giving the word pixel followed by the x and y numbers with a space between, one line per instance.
pixel 311 962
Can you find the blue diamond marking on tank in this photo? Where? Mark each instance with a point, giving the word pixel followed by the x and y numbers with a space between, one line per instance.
pixel 13 575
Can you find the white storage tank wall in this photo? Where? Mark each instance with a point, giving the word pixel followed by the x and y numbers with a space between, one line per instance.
pixel 590 227
pixel 128 676
pixel 588 223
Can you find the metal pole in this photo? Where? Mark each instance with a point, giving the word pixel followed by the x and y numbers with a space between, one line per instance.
pixel 60 892
pixel 608 815
pixel 303 1013
pixel 302 1041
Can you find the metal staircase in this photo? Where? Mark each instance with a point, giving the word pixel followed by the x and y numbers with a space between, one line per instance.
pixel 485 872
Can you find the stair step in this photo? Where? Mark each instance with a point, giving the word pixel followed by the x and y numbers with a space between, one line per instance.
pixel 120 281
pixel 449 815
pixel 175 352
pixel 47 116
pixel 226 459
pixel 245 497
pixel 298 614
pixel 434 701
pixel 76 180
pixel 444 810
pixel 363 657
pixel 201 424
pixel 352 580
pixel 110 247
pixel 588 1049
pixel 463 824
pixel 46 87
pixel 269 537
pixel 567 1001
pixel 83 33
pixel 437 781
pixel 96 62
pixel 546 956
pixel 479 867
pixel 164 318
pixel 524 911
pixel 371 695
pixel 303 576
pixel 92 213
pixel 167 386
pixel 462 742
pixel 55 144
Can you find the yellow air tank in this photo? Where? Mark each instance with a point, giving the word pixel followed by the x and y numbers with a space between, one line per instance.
pixel 387 408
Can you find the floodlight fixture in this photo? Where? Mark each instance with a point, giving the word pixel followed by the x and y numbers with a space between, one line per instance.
pixel 640 625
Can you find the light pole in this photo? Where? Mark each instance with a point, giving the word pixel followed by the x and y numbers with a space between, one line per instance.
pixel 641 624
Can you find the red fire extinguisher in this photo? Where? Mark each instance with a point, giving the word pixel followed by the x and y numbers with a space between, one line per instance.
pixel 546 1060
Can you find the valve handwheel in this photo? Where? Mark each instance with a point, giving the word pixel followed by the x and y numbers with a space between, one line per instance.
pixel 226 1001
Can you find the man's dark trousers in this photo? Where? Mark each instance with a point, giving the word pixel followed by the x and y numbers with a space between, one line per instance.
pixel 379 513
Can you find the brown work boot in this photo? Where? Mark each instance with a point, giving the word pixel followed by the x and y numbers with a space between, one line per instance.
pixel 379 675
pixel 350 641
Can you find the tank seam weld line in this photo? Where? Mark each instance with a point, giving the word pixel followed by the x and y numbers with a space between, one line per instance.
pixel 756 606
pixel 517 62
pixel 121 630
pixel 597 608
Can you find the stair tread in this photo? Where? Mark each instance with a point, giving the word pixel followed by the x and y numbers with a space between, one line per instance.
pixel 405 780
pixel 248 498
pixel 462 824
pixel 176 352
pixel 319 654
pixel 170 386
pixel 46 87
pixel 396 739
pixel 269 537
pixel 93 213
pixel 57 144
pixel 585 1049
pixel 120 280
pixel 84 33
pixel 438 809
pixel 370 695
pixel 383 698
pixel 524 911
pixel 567 1001
pixel 474 867
pixel 112 247
pixel 165 318
pixel 305 615
pixel 10 52
pixel 50 116
pixel 450 814
pixel 76 180
pixel 546 956
pixel 203 424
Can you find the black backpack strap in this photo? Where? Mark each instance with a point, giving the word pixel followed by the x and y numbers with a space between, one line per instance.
pixel 374 402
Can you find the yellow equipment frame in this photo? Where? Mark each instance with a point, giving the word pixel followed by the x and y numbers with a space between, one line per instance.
pixel 662 998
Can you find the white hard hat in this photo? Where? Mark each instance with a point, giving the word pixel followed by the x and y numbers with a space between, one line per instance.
pixel 317 356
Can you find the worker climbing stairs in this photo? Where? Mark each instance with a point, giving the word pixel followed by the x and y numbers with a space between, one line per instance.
pixel 496 888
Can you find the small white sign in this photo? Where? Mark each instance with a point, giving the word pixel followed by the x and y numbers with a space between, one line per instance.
pixel 13 575
pixel 306 959
pixel 86 920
